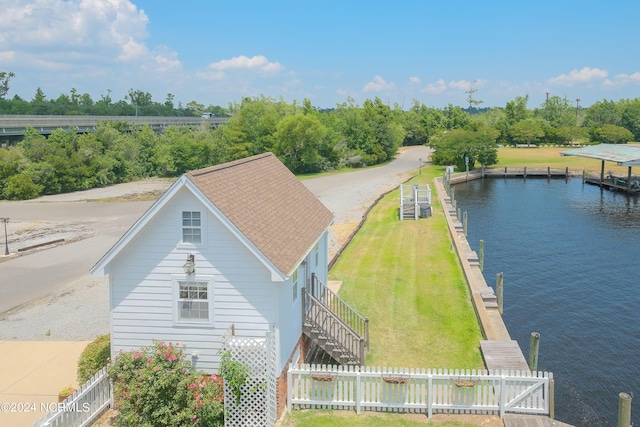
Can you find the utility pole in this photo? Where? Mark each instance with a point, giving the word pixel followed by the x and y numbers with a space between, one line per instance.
pixel 6 238
pixel 577 106
pixel 547 92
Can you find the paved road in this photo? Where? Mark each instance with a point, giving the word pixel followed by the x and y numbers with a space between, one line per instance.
pixel 31 277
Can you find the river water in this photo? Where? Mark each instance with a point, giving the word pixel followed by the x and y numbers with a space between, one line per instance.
pixel 570 255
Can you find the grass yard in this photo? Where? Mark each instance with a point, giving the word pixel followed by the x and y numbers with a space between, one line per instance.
pixel 323 418
pixel 404 277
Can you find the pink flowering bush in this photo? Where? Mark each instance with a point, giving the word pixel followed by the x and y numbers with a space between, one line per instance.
pixel 155 386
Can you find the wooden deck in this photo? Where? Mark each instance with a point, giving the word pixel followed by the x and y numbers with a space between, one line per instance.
pixel 503 355
pixel 513 420
pixel 615 184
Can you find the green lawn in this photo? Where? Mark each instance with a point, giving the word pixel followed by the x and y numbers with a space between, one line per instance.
pixel 404 277
pixel 543 157
pixel 323 418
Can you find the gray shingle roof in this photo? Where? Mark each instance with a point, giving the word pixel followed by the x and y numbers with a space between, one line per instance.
pixel 267 204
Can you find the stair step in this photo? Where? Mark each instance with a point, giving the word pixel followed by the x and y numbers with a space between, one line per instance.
pixel 491 304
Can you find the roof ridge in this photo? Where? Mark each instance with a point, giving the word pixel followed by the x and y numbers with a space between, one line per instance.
pixel 216 168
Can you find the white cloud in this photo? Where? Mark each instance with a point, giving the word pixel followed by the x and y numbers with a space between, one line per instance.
pixel 414 80
pixel 378 84
pixel 584 75
pixel 436 88
pixel 116 28
pixel 623 80
pixel 258 62
pixel 460 84
pixel 133 50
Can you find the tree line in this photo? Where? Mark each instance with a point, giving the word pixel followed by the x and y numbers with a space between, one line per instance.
pixel 306 139
pixel 135 103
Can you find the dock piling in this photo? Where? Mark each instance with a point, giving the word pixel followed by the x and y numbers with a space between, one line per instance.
pixel 481 255
pixel 534 345
pixel 624 410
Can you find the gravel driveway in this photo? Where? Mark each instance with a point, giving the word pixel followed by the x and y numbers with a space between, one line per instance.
pixel 74 305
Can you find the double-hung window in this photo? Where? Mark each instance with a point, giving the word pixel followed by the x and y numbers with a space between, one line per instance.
pixel 191 227
pixel 193 301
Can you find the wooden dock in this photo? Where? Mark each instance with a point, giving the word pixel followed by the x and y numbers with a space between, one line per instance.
pixel 503 355
pixel 616 184
pixel 513 420
pixel 505 172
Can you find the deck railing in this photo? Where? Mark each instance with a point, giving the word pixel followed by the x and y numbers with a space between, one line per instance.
pixel 347 314
pixel 83 407
pixel 350 347
pixel 428 391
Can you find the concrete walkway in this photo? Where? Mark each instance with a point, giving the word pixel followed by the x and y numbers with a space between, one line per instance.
pixel 31 375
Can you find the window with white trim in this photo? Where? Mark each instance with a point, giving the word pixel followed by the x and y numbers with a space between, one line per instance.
pixel 193 301
pixel 294 280
pixel 191 227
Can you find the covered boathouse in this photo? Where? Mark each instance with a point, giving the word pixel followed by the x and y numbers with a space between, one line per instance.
pixel 622 155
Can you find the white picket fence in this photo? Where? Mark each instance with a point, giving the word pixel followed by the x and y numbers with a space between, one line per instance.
pixel 428 391
pixel 83 407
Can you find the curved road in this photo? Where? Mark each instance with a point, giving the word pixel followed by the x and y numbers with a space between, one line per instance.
pixel 25 279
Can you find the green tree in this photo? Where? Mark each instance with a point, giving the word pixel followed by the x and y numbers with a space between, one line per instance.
pixel 630 118
pixel 298 139
pixel 557 111
pixel 5 77
pixel 21 187
pixel 603 113
pixel 39 102
pixel 515 111
pixel 611 134
pixel 527 131
pixel 455 118
pixel 455 146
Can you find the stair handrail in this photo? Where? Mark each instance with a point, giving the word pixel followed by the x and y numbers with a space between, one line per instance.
pixel 346 313
pixel 337 331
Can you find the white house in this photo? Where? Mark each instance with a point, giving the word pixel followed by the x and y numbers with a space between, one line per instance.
pixel 231 244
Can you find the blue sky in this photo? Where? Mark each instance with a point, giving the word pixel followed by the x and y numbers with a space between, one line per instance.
pixel 217 52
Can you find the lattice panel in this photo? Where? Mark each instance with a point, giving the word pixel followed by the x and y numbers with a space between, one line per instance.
pixel 257 407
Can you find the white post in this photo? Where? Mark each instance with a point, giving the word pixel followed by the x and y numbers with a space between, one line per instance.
pixel 358 390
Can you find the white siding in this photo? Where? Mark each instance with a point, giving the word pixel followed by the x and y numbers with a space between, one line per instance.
pixel 142 298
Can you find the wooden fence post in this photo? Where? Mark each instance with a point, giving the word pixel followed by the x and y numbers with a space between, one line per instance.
pixel 481 255
pixel 624 410
pixel 534 345
pixel 499 291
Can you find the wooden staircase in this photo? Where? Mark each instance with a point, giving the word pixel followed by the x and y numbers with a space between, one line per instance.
pixel 333 325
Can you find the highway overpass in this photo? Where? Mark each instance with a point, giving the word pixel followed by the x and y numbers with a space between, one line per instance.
pixel 12 127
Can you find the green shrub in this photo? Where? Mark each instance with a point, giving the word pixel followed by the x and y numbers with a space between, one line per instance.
pixel 94 357
pixel 21 187
pixel 155 386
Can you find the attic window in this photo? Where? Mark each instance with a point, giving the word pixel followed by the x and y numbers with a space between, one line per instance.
pixel 191 227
